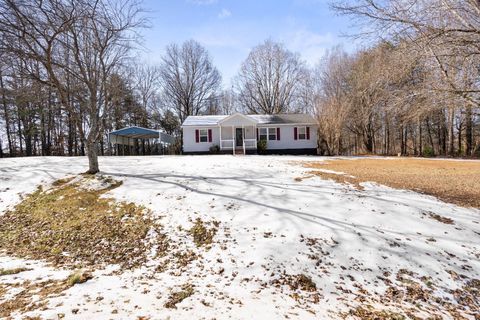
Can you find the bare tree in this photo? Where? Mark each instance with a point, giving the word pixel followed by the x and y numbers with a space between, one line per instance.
pixel 443 33
pixel 270 79
pixel 228 102
pixel 84 40
pixel 188 78
pixel 332 99
pixel 146 80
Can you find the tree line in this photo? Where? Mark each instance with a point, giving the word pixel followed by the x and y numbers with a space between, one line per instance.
pixel 415 91
pixel 70 73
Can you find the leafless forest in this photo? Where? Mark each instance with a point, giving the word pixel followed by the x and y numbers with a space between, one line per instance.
pixel 415 92
pixel 70 73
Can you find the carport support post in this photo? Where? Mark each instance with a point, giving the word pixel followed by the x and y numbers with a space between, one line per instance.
pixel 109 146
pixel 160 142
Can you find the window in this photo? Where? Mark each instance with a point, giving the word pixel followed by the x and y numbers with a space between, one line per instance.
pixel 268 134
pixel 302 133
pixel 262 133
pixel 272 133
pixel 203 135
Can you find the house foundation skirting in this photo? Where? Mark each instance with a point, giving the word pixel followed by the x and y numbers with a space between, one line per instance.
pixel 308 151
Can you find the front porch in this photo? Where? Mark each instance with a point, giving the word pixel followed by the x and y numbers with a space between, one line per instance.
pixel 238 133
pixel 238 138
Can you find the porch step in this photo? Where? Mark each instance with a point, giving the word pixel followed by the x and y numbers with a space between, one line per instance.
pixel 239 151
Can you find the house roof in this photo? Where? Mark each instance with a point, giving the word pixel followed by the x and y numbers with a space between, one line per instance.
pixel 284 118
pixel 264 119
pixel 202 120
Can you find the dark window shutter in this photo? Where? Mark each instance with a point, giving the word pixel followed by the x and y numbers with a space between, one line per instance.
pixel 197 136
pixel 295 136
pixel 308 133
pixel 257 134
pixel 278 133
pixel 209 135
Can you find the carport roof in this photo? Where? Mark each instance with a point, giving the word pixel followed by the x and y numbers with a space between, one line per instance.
pixel 136 133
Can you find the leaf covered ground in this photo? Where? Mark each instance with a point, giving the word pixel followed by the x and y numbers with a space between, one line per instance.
pixel 71 223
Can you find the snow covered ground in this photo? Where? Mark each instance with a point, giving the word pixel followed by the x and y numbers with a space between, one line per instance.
pixel 353 244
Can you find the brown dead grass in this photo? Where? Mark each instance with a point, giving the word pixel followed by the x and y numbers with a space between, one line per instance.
pixel 8 272
pixel 34 295
pixel 452 181
pixel 186 291
pixel 69 225
pixel 370 313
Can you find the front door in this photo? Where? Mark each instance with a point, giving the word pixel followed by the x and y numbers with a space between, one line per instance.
pixel 238 137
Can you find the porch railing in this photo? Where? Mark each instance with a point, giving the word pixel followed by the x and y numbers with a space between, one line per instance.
pixel 227 144
pixel 250 143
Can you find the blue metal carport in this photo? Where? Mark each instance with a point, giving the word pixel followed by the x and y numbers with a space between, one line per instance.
pixel 129 136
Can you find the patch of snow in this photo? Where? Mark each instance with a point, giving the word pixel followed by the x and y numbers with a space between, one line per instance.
pixel 265 218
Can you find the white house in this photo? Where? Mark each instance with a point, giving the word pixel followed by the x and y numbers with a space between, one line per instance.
pixel 239 133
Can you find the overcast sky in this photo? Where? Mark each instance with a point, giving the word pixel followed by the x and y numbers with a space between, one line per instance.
pixel 229 29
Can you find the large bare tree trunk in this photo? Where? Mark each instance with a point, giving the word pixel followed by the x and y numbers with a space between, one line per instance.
pixel 92 154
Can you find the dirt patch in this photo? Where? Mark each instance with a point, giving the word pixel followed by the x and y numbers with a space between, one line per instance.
pixel 295 282
pixel 440 218
pixel 340 178
pixel 451 181
pixel 301 282
pixel 178 296
pixel 79 277
pixel 299 287
pixel 73 223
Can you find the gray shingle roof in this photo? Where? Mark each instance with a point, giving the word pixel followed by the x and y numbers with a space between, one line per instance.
pixel 260 118
pixel 202 120
pixel 283 118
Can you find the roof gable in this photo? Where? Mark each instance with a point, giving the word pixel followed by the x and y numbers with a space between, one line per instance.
pixel 237 119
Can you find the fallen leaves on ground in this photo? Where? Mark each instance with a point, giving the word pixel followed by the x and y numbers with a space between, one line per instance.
pixel 35 295
pixel 74 223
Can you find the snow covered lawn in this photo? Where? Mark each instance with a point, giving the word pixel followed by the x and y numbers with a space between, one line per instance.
pixel 286 244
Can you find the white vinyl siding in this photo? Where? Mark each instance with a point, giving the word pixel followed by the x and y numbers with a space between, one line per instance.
pixel 190 144
pixel 287 140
